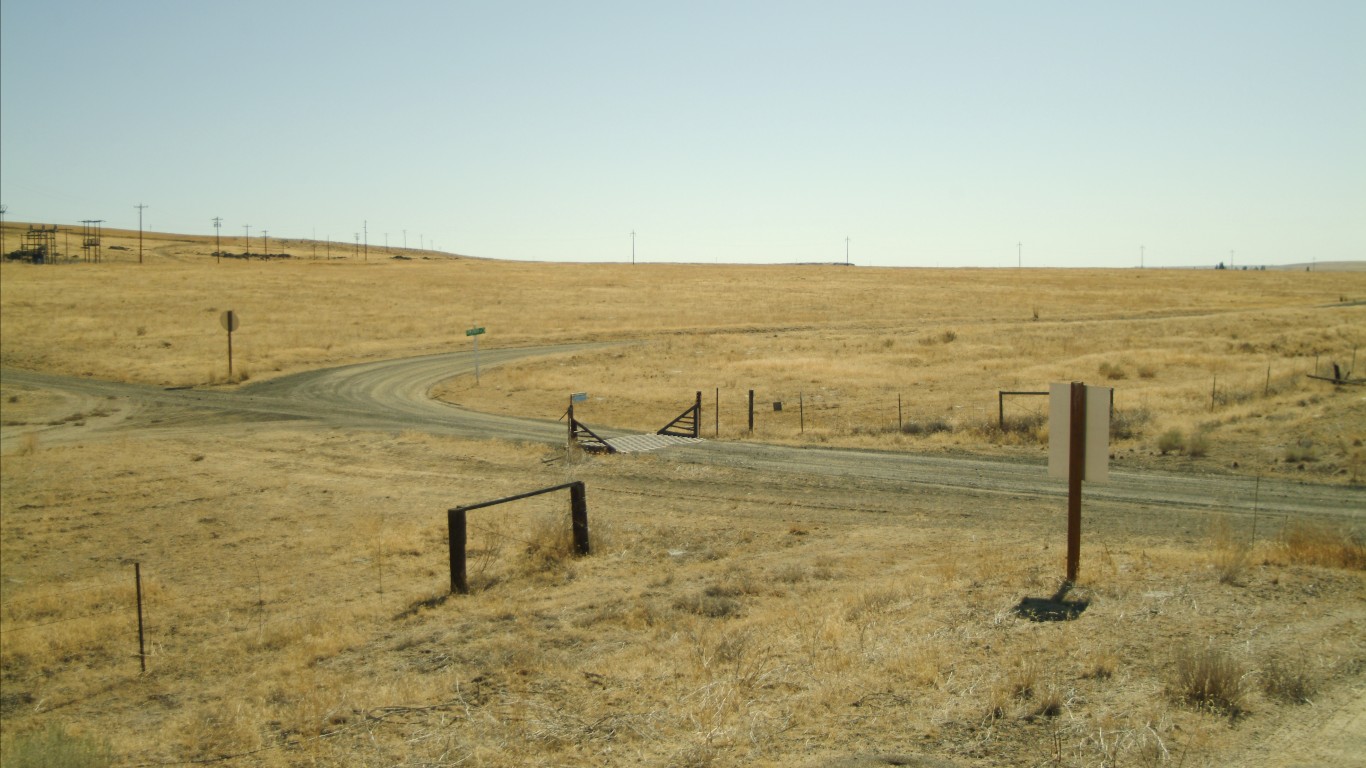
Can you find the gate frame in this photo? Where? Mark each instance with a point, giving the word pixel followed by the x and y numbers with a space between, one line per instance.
pixel 456 525
pixel 689 422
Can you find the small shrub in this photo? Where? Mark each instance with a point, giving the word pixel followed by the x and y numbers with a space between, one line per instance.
pixel 930 427
pixel 946 337
pixel 1171 440
pixel 1126 425
pixel 1208 678
pixel 55 748
pixel 1112 372
pixel 1302 450
pixel 1290 680
pixel 714 606
pixel 1147 372
pixel 1197 445
pixel 1028 424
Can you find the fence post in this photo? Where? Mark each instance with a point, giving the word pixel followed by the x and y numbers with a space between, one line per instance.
pixel 751 411
pixel 801 410
pixel 455 523
pixel 898 412
pixel 697 417
pixel 578 513
pixel 1076 468
pixel 1001 410
pixel 142 652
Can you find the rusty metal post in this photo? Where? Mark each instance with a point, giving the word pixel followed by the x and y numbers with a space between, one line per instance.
pixel 142 647
pixel 578 515
pixel 569 446
pixel 455 523
pixel 1076 469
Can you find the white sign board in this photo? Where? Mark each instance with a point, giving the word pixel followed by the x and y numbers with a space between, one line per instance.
pixel 1097 431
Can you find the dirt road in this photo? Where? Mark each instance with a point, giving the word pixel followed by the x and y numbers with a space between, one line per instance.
pixel 394 395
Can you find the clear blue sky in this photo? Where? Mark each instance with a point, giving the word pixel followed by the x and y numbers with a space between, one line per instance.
pixel 929 133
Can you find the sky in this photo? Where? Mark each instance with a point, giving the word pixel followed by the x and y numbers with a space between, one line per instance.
pixel 986 134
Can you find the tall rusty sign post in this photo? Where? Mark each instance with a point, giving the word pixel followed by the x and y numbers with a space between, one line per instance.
pixel 230 321
pixel 1078 449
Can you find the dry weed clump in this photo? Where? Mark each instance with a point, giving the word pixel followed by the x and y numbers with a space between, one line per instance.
pixel 1230 555
pixel 1289 678
pixel 1209 678
pixel 1325 545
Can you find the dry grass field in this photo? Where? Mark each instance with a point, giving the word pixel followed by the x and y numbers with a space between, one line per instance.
pixel 295 577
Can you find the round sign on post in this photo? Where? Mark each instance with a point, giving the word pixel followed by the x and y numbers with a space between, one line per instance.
pixel 230 321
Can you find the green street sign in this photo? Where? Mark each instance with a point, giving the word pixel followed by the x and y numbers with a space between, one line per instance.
pixel 474 331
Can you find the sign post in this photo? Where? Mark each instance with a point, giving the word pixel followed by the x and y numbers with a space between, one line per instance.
pixel 1078 449
pixel 230 321
pixel 475 333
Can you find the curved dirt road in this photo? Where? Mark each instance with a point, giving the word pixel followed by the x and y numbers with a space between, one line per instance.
pixel 394 394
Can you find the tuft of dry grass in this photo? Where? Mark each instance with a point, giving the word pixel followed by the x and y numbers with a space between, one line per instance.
pixel 1290 678
pixel 1209 678
pixel 1231 555
pixel 1326 545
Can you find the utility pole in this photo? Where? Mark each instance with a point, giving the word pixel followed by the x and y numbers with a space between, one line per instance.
pixel 633 246
pixel 139 206
pixel 405 239
pixel 265 243
pixel 846 250
pixel 247 239
pixel 1019 255
pixel 365 227
pixel 1140 257
pixel 217 239
pixel 356 238
pixel 3 209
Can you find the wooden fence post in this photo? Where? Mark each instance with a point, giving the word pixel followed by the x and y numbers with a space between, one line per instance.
pixel 578 512
pixel 455 522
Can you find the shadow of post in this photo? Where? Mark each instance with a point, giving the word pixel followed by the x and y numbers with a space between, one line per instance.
pixel 1055 608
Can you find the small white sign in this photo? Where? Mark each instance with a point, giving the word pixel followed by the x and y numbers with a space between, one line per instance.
pixel 578 397
pixel 1098 401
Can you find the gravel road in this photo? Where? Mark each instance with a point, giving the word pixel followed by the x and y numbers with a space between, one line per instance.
pixel 394 395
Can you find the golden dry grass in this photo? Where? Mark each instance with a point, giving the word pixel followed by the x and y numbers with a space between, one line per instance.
pixel 295 578
pixel 1220 356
